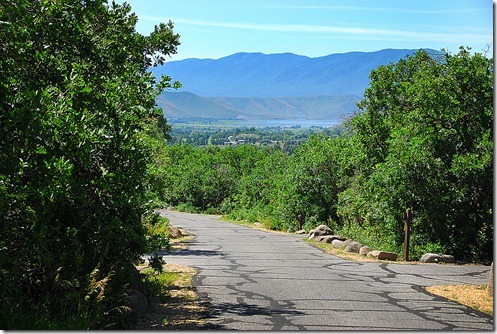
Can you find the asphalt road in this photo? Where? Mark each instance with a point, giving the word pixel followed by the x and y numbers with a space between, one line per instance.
pixel 257 280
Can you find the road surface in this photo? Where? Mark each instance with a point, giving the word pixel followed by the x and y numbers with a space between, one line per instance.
pixel 257 280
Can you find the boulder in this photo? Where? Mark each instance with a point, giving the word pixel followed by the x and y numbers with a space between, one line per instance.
pixel 319 231
pixel 364 250
pixel 347 242
pixel 300 232
pixel 175 232
pixel 437 258
pixel 337 243
pixel 353 247
pixel 329 238
pixel 380 255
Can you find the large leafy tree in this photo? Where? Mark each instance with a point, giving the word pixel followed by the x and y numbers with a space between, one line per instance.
pixel 76 105
pixel 426 143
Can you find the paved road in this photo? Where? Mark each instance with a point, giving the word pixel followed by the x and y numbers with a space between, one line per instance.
pixel 257 280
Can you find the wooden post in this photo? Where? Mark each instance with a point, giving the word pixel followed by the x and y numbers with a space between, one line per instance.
pixel 407 230
pixel 490 287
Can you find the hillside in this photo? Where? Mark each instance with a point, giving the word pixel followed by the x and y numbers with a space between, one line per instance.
pixel 185 104
pixel 279 75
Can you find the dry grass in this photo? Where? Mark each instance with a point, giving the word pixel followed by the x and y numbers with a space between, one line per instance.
pixel 474 296
pixel 180 243
pixel 179 309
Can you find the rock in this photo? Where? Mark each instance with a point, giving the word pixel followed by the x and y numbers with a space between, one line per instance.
pixel 380 255
pixel 300 232
pixel 347 242
pixel 353 247
pixel 137 301
pixel 337 243
pixel 175 232
pixel 364 250
pixel 329 238
pixel 437 258
pixel 319 231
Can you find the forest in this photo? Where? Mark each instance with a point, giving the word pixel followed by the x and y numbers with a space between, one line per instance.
pixel 86 156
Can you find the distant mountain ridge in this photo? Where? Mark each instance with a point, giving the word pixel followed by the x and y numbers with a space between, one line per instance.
pixel 280 75
pixel 185 104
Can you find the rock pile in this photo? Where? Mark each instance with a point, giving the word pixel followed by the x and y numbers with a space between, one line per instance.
pixel 323 233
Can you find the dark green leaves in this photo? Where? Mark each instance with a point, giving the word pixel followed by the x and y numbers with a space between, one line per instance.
pixel 77 115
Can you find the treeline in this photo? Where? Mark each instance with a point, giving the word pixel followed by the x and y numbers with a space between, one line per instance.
pixel 423 141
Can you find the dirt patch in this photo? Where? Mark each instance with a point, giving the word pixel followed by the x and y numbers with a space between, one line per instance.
pixel 474 296
pixel 180 308
pixel 180 243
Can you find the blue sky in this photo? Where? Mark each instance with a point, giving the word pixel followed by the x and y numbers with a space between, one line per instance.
pixel 217 28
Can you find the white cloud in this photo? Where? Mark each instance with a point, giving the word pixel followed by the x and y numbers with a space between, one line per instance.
pixel 364 8
pixel 356 32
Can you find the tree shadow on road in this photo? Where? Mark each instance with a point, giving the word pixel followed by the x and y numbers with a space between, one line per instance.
pixel 217 311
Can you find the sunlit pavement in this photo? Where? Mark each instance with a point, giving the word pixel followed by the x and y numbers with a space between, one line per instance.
pixel 257 280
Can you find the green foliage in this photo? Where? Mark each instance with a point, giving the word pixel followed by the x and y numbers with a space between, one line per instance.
pixel 77 120
pixel 426 138
pixel 158 233
pixel 157 262
pixel 157 284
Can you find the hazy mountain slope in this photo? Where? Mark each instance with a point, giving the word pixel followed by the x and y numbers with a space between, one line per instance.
pixel 184 104
pixel 279 75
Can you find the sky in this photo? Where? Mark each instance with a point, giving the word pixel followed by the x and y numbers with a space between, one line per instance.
pixel 218 28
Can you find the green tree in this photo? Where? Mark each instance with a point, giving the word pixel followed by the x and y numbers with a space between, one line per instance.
pixel 426 142
pixel 76 100
pixel 257 195
pixel 310 184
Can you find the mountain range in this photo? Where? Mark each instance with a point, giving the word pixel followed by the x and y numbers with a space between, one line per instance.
pixel 265 86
